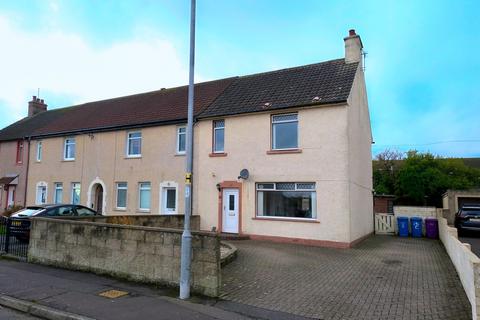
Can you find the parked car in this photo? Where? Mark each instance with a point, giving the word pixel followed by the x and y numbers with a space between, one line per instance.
pixel 20 221
pixel 468 219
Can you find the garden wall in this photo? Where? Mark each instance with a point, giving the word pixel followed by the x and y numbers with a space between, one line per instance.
pixel 159 221
pixel 146 254
pixel 466 263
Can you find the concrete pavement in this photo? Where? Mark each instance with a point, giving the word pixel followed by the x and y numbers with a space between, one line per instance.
pixel 77 293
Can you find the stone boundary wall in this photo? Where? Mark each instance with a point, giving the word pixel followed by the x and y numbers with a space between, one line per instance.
pixel 159 221
pixel 466 263
pixel 138 253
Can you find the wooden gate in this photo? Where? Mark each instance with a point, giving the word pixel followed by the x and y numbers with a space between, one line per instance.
pixel 384 223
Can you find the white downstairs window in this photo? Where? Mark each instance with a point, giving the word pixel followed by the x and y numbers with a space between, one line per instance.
pixel 295 200
pixel 41 193
pixel 122 189
pixel 168 197
pixel 58 195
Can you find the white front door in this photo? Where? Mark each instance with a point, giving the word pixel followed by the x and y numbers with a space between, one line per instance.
pixel 230 211
pixel 11 196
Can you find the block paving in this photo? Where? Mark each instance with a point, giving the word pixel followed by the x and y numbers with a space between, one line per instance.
pixel 382 278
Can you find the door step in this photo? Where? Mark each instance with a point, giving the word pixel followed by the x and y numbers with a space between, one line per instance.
pixel 233 236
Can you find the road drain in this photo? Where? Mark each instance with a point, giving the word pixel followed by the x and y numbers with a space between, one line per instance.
pixel 113 294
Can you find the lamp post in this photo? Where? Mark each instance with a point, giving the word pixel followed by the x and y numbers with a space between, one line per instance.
pixel 186 256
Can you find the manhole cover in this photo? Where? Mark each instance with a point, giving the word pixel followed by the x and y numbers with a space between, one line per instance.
pixel 113 294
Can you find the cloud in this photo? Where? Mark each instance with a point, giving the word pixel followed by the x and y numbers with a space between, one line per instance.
pixel 65 64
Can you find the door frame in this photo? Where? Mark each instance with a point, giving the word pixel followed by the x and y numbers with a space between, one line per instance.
pixel 229 185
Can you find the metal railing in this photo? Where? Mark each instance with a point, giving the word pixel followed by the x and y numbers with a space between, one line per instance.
pixel 14 237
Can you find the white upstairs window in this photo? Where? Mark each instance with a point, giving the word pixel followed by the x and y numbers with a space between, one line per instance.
pixel 39 151
pixel 181 139
pixel 69 149
pixel 134 144
pixel 285 131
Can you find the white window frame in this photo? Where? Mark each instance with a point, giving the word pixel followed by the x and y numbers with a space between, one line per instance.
pixel 274 188
pixel 41 184
pixel 215 136
pixel 72 186
pixel 129 139
pixel 164 186
pixel 118 187
pixel 140 189
pixel 178 139
pixel 39 151
pixel 68 142
pixel 57 186
pixel 272 123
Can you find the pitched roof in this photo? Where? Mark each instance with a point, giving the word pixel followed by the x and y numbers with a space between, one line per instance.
pixel 161 106
pixel 321 83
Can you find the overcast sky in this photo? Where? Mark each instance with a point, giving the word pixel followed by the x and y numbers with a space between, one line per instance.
pixel 422 67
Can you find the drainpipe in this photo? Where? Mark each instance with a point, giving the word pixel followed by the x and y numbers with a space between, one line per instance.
pixel 26 173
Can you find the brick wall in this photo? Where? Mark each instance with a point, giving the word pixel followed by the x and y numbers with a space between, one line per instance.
pixel 138 253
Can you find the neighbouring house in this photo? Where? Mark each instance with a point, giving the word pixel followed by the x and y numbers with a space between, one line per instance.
pixel 14 155
pixel 302 133
pixel 453 200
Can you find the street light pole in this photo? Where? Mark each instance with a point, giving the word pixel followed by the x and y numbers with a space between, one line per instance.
pixel 187 236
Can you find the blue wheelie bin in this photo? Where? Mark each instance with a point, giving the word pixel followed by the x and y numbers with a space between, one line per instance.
pixel 417 227
pixel 402 223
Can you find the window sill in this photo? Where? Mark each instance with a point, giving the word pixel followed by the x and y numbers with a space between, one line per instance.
pixel 182 154
pixel 143 211
pixel 287 219
pixel 220 154
pixel 286 151
pixel 120 209
pixel 133 157
pixel 68 160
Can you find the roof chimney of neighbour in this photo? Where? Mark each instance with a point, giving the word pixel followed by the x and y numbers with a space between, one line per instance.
pixel 36 106
pixel 353 47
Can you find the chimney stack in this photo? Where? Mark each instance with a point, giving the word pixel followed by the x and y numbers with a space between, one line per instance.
pixel 353 47
pixel 36 106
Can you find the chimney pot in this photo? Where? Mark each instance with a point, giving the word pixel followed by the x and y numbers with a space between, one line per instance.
pixel 34 98
pixel 351 32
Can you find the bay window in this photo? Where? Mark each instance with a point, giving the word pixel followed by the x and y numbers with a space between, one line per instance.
pixel 297 200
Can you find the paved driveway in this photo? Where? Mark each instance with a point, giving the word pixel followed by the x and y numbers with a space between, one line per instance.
pixel 382 278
